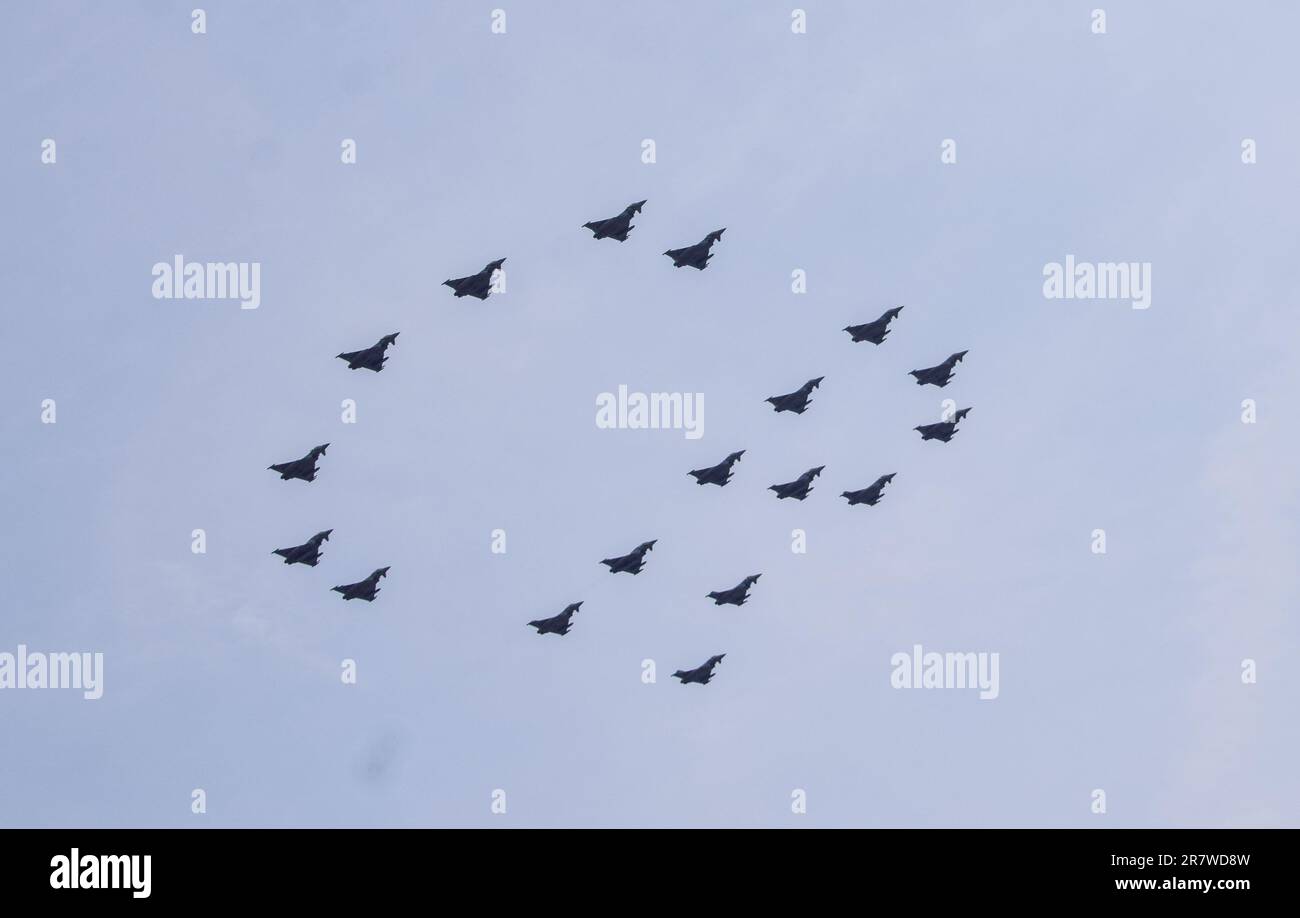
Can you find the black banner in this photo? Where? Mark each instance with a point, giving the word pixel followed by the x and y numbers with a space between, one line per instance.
pixel 1149 867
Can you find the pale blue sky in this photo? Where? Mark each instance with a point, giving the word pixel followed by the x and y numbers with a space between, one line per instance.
pixel 816 151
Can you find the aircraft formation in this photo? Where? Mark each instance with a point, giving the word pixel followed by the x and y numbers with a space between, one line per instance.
pixel 480 286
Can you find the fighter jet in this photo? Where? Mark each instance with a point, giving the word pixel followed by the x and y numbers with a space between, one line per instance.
pixel 363 589
pixel 633 561
pixel 718 474
pixel 307 553
pixel 697 256
pixel 944 430
pixel 304 468
pixel 556 624
pixel 737 595
pixel 798 400
pixel 799 488
pixel 615 227
pixel 939 375
pixel 371 358
pixel 876 331
pixel 700 674
pixel 479 285
pixel 869 495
